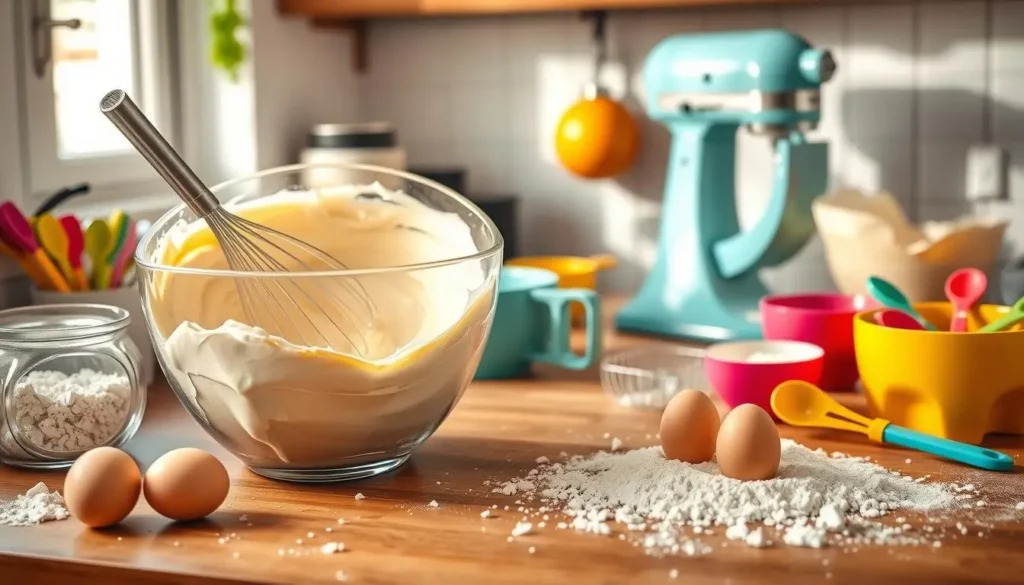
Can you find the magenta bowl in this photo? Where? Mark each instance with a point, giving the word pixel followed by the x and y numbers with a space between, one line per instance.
pixel 746 372
pixel 824 319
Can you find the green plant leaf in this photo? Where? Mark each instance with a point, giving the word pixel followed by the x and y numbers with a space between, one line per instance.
pixel 226 51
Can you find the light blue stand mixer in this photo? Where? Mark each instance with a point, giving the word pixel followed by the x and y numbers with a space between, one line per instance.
pixel 703 87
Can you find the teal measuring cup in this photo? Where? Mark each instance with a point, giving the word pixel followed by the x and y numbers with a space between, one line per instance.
pixel 532 323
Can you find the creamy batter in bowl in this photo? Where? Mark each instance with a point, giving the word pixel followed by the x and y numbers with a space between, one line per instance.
pixel 417 292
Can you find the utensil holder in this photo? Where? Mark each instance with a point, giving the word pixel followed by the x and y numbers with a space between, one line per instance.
pixel 127 298
pixel 14 290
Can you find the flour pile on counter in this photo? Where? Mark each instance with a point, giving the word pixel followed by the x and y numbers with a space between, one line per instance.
pixel 69 413
pixel 36 505
pixel 817 498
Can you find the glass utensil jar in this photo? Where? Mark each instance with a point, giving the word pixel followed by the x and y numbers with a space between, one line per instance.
pixel 71 382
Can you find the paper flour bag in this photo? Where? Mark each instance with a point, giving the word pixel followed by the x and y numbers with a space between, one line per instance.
pixel 870 236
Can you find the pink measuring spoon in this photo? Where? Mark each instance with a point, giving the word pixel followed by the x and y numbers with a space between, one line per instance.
pixel 897 320
pixel 964 288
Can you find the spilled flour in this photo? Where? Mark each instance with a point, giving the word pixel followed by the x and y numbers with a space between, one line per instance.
pixel 817 498
pixel 36 505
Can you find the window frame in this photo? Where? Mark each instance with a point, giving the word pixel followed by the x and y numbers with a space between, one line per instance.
pixel 113 177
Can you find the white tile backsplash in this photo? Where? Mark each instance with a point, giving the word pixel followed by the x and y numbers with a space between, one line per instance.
pixel 479 54
pixel 1006 103
pixel 918 83
pixel 951 38
pixel 748 18
pixel 880 43
pixel 882 164
pixel 530 40
pixel 1007 46
pixel 480 113
pixel 942 172
pixel 952 109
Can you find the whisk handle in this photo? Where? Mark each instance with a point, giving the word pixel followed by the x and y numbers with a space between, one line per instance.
pixel 136 127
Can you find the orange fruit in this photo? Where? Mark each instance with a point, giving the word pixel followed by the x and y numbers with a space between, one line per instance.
pixel 597 138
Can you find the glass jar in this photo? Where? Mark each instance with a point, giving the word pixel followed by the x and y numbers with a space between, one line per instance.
pixel 71 382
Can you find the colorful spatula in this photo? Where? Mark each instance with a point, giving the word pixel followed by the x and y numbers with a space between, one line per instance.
pixel 9 249
pixel 805 405
pixel 18 234
pixel 119 226
pixel 76 247
pixel 97 245
pixel 54 240
pixel 123 256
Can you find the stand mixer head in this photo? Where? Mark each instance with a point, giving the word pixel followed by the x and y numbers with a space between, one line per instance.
pixel 703 88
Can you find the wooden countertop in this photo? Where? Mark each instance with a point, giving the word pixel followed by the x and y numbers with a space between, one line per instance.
pixel 495 433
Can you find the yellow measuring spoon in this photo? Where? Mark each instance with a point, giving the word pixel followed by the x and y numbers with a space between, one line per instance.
pixel 97 245
pixel 54 240
pixel 805 405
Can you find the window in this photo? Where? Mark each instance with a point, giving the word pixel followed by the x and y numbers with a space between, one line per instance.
pixel 118 44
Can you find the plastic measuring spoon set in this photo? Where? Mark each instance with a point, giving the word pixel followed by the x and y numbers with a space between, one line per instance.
pixel 964 289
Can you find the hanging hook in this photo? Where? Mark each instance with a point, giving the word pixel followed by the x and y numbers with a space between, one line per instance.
pixel 598 19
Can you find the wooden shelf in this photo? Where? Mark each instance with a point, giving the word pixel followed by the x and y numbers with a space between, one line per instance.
pixel 352 14
pixel 363 9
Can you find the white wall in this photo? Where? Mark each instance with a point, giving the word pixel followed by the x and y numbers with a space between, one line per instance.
pixel 918 83
pixel 302 77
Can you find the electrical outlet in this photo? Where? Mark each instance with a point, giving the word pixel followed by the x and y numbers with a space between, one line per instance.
pixel 986 173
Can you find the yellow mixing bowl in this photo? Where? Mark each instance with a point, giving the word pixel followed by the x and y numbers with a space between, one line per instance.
pixel 957 386
pixel 572 271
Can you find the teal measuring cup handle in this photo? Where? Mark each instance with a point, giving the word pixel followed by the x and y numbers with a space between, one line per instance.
pixel 559 352
pixel 962 452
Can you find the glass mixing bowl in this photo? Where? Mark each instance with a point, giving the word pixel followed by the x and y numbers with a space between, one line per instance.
pixel 413 305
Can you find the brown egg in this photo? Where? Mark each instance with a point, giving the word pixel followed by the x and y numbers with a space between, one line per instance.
pixel 689 426
pixel 102 487
pixel 186 484
pixel 748 444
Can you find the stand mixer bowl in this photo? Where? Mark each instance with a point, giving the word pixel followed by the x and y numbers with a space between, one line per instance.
pixel 307 414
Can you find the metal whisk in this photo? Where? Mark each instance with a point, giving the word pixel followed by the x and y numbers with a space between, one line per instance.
pixel 307 310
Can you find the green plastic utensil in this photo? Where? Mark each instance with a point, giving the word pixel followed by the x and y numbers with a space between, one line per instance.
pixel 1015 315
pixel 97 246
pixel 886 293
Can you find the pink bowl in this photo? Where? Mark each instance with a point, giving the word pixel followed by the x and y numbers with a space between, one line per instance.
pixel 746 372
pixel 824 319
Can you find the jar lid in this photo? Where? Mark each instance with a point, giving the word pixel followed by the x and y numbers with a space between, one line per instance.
pixel 368 135
pixel 47 323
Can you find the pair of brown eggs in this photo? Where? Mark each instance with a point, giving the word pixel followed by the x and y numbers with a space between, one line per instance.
pixel 745 443
pixel 104 484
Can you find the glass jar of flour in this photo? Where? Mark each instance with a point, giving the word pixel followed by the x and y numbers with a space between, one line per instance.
pixel 71 382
